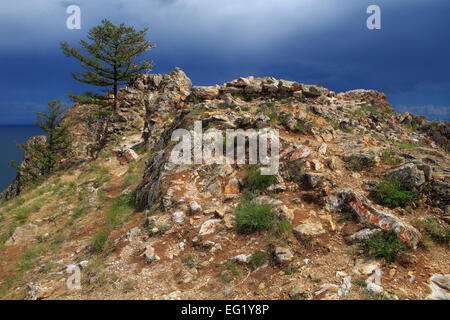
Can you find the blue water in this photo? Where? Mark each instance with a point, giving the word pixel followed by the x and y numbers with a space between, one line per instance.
pixel 9 136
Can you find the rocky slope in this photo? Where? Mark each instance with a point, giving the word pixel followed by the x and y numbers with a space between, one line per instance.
pixel 140 226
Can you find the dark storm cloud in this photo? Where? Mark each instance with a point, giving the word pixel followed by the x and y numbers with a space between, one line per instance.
pixel 317 41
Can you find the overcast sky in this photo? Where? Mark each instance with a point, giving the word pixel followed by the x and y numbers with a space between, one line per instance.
pixel 214 41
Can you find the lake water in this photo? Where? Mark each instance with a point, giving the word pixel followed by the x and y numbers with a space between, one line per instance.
pixel 9 136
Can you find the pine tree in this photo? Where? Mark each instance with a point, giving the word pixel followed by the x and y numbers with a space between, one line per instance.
pixel 109 59
pixel 43 157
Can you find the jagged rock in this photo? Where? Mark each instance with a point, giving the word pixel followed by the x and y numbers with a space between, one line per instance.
pixel 313 90
pixel 285 212
pixel 383 220
pixel 206 92
pixel 21 178
pixel 408 175
pixel 345 287
pixel 289 86
pixel 300 152
pixel 36 292
pixel 365 159
pixel 440 287
pixel 361 235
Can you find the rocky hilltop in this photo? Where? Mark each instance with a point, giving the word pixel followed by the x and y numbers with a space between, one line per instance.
pixel 359 208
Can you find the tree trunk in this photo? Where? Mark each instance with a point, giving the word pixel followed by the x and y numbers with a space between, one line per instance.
pixel 115 87
pixel 115 97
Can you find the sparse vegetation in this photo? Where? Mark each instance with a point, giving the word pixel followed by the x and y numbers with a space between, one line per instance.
pixel 434 229
pixel 390 157
pixel 392 194
pixel 384 244
pixel 303 127
pixel 358 162
pixel 116 216
pixel 255 181
pixel 258 258
pixel 253 217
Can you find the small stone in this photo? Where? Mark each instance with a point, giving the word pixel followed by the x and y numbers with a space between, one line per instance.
pixel 194 207
pixel 323 148
pixel 308 230
pixel 283 255
pixel 178 217
pixel 209 226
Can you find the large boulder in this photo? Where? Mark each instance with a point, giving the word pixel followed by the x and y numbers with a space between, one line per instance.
pixel 383 220
pixel 206 92
pixel 407 175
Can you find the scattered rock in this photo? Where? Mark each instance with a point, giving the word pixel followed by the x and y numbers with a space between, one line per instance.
pixel 307 230
pixel 283 255
pixel 209 226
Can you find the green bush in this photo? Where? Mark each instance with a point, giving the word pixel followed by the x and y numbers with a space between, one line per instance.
pixel 384 244
pixel 258 259
pixel 392 195
pixel 252 217
pixel 255 181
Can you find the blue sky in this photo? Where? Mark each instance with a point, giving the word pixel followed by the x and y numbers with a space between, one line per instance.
pixel 311 41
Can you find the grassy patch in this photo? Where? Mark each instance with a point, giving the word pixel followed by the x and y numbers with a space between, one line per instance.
pixel 436 230
pixel 390 157
pixel 229 271
pixel 358 162
pixel 258 258
pixel 283 229
pixel 253 217
pixel 392 195
pixel 384 244
pixel 119 212
pixel 255 181
pixel 406 145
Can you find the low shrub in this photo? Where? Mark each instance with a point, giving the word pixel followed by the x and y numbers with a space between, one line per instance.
pixel 392 195
pixel 385 244
pixel 255 181
pixel 258 259
pixel 252 217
